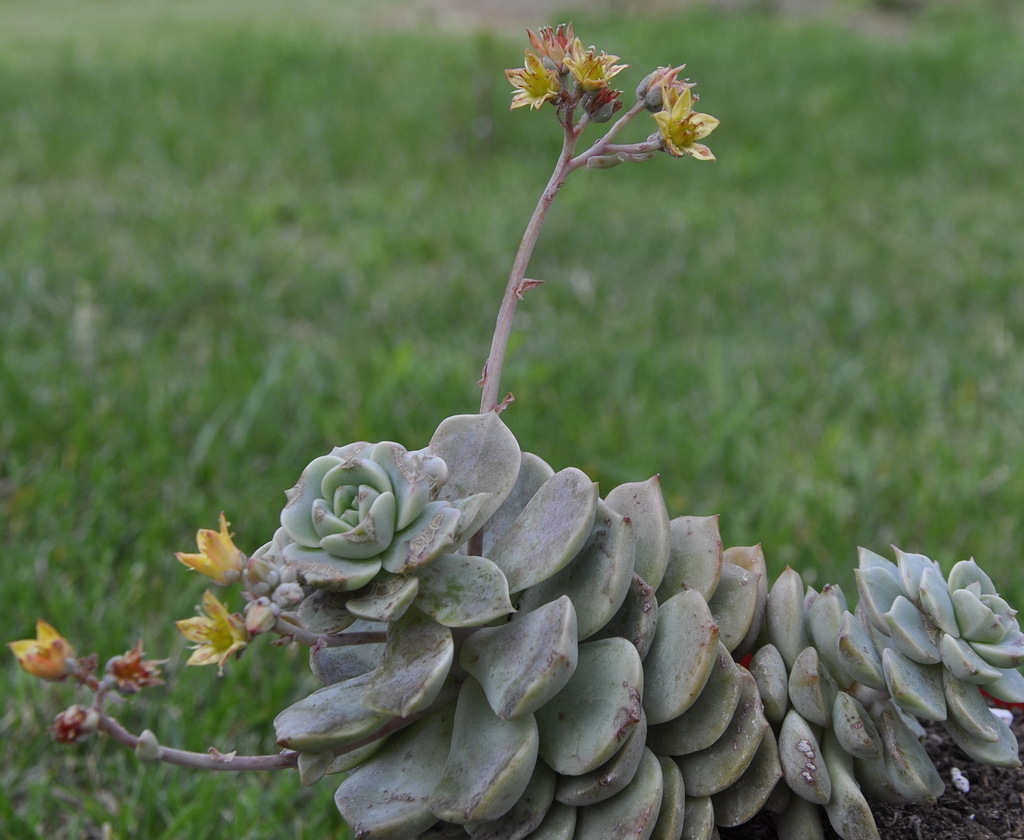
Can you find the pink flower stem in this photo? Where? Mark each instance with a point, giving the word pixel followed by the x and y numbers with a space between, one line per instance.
pixel 294 633
pixel 212 760
pixel 490 381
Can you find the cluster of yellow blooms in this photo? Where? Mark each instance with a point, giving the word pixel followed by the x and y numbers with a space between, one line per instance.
pixel 560 70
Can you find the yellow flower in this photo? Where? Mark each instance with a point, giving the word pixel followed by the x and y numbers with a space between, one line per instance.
pixel 218 558
pixel 591 71
pixel 681 127
pixel 48 656
pixel 536 83
pixel 218 634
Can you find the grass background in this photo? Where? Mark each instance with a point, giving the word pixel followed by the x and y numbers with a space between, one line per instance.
pixel 233 236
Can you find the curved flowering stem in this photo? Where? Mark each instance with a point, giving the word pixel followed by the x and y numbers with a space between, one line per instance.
pixel 148 749
pixel 294 633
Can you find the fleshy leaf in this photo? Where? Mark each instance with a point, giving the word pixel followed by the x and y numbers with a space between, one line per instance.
pixel 328 719
pixel 549 532
pixel 854 728
pixel 847 810
pixel 482 456
pixel 533 472
pixel 629 815
pixel 967 707
pixel 751 559
pixel 320 569
pixel 597 579
pixel 1009 687
pixel 714 768
pixel 1002 753
pixel 523 664
pixel 916 638
pixel 966 572
pixel 977 623
pixel 825 622
pixel 636 619
pixel 708 717
pixel 741 801
pixel 858 656
pixel 644 504
pixel 695 556
pixel 936 602
pixel 802 764
pixel 916 688
pixel 387 796
pixel 490 763
pixel 590 718
pixel 912 567
pixel 784 617
pixel 417 657
pixel 964 664
pixel 1008 653
pixel 457 590
pixel 295 518
pixel 698 818
pixel 769 672
pixel 431 534
pixel 673 802
pixel 812 691
pixel 878 589
pixel 385 600
pixel 734 604
pixel 525 815
pixel 608 779
pixel 683 654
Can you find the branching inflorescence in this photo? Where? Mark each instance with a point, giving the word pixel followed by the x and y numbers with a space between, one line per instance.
pixel 506 654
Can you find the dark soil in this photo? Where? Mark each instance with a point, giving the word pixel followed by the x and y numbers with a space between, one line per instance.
pixel 993 809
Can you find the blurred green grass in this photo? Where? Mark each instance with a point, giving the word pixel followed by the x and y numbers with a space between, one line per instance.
pixel 229 241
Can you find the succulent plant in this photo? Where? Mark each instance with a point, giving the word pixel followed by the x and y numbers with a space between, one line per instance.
pixel 569 666
pixel 505 654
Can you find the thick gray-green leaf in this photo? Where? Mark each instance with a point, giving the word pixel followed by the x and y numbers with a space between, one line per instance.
pixel 966 572
pixel 912 567
pixel 318 568
pixel 558 824
pixel 644 504
pixel 847 810
pixel 916 688
pixel 751 558
pixel 584 725
pixel 597 579
pixel 812 691
pixel 799 820
pixel 734 604
pixel 878 589
pixel 526 815
pixel 533 472
pixel 739 802
pixel 636 619
pixel 482 456
pixel 824 621
pixel 714 768
pixel 1005 752
pixel 966 706
pixel 608 779
pixel 915 637
pixel 431 534
pixel 296 517
pixel 698 818
pixel 936 602
pixel 707 718
pixel 854 728
pixel 1009 687
pixel 964 663
pixel 324 611
pixel 769 671
pixel 457 590
pixel 629 815
pixel 417 657
pixel 523 664
pixel 858 655
pixel 682 656
pixel 802 764
pixel 910 774
pixel 673 802
pixel 386 798
pixel 386 599
pixel 342 662
pixel 490 763
pixel 328 719
pixel 549 532
pixel 695 556
pixel 975 620
pixel 1008 653
pixel 784 617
